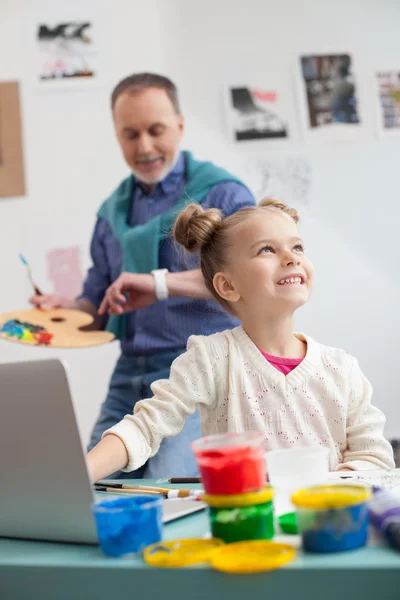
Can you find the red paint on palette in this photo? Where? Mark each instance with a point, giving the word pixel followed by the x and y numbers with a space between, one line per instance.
pixel 43 337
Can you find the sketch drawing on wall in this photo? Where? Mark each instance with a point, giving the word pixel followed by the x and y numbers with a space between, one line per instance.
pixel 288 179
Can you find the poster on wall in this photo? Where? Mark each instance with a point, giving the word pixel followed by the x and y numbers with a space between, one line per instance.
pixel 388 96
pixel 66 52
pixel 329 97
pixel 12 177
pixel 64 271
pixel 256 113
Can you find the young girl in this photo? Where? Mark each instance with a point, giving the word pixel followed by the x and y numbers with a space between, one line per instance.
pixel 260 376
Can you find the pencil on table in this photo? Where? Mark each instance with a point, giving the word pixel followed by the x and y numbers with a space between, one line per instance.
pixel 184 480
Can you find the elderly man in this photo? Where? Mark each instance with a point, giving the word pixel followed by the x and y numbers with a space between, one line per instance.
pixel 168 298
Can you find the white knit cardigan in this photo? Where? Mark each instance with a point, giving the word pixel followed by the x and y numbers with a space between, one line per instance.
pixel 325 401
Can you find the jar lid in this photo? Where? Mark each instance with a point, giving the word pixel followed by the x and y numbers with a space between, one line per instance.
pixel 288 523
pixel 323 497
pixel 251 557
pixel 236 500
pixel 180 553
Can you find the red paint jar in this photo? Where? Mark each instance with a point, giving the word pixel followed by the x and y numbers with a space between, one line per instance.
pixel 231 463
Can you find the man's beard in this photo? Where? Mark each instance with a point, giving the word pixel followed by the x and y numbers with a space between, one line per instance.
pixel 164 173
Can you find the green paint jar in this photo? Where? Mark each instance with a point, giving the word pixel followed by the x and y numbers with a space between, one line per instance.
pixel 242 517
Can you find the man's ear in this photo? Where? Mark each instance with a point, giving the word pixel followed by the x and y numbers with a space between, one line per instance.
pixel 181 124
pixel 225 287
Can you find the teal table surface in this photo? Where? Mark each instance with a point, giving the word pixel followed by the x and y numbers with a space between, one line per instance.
pixel 51 571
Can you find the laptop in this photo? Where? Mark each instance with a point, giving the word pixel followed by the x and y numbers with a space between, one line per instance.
pixel 45 492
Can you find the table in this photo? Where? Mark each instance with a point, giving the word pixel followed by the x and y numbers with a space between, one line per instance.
pixel 51 571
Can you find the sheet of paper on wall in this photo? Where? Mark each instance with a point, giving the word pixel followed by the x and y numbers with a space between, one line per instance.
pixel 287 178
pixel 12 178
pixel 66 51
pixel 329 97
pixel 256 113
pixel 64 271
pixel 388 100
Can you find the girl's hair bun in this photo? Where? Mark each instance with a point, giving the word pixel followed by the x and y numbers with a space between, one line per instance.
pixel 195 227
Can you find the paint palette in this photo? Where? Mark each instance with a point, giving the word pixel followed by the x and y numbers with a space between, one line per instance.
pixel 56 328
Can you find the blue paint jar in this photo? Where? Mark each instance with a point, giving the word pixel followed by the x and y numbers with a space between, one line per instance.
pixel 332 518
pixel 128 525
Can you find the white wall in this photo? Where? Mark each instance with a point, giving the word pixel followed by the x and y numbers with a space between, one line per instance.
pixel 350 226
pixel 72 163
pixel 72 159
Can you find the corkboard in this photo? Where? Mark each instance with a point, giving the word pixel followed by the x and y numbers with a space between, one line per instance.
pixel 12 179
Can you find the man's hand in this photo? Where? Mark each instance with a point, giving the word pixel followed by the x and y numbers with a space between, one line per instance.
pixel 48 301
pixel 130 291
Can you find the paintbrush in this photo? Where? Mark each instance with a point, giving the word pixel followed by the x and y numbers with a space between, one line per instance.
pixel 28 270
pixel 115 490
pixel 140 492
pixel 130 486
pixel 146 489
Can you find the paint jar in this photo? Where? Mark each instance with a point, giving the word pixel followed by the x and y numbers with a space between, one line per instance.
pixel 332 518
pixel 290 469
pixel 128 525
pixel 241 517
pixel 288 523
pixel 231 463
pixel 384 513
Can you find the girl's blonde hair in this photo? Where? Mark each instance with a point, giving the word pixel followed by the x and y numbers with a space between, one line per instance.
pixel 208 232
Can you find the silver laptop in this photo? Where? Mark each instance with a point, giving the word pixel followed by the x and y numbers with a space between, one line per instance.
pixel 45 492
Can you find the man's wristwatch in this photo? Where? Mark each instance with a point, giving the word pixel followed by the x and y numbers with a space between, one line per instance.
pixel 161 289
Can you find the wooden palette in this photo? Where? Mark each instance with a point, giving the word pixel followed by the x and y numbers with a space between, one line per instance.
pixel 63 323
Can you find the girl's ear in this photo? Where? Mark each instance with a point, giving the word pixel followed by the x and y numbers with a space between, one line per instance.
pixel 225 287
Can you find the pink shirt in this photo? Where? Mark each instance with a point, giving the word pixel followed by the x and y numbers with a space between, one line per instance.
pixel 284 365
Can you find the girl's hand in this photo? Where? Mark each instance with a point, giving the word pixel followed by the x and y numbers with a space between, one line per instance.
pixel 106 458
